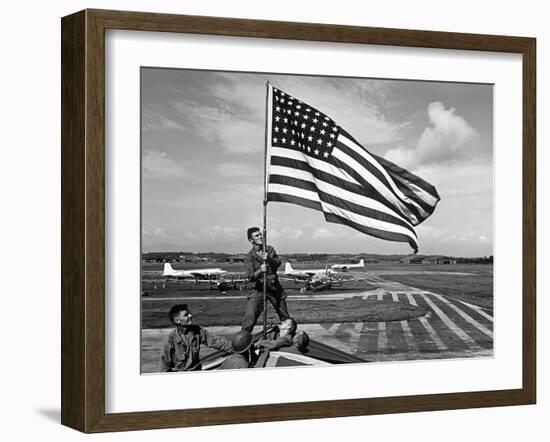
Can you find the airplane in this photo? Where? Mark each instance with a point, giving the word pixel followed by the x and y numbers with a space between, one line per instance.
pixel 194 274
pixel 306 273
pixel 315 279
pixel 346 267
pixel 212 276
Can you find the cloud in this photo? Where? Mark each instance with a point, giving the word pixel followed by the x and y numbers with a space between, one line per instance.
pixel 235 129
pixel 238 170
pixel 227 232
pixel 322 233
pixel 160 232
pixel 285 232
pixel 449 137
pixel 158 165
pixel 152 120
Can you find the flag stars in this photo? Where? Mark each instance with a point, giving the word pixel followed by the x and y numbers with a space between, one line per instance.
pixel 319 141
pixel 303 125
pixel 316 151
pixel 278 108
pixel 312 129
pixel 276 128
pixel 332 136
pixel 285 130
pixel 292 142
pixel 329 144
pixel 325 154
pixel 283 140
pixel 310 138
pixel 315 120
pixel 275 140
pixel 323 132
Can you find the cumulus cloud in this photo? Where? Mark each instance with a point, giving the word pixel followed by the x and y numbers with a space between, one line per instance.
pixel 159 165
pixel 448 137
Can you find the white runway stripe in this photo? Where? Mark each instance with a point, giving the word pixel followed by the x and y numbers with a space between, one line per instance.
pixel 356 335
pixel 478 310
pixel 464 315
pixel 382 337
pixel 409 338
pixel 433 334
pixel 449 323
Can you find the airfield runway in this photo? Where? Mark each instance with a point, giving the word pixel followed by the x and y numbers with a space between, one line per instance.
pixel 451 328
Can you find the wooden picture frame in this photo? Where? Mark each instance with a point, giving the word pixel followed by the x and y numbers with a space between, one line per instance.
pixel 83 220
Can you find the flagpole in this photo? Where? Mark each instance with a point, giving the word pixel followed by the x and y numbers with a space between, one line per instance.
pixel 264 233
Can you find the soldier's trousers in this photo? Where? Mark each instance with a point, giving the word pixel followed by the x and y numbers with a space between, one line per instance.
pixel 255 306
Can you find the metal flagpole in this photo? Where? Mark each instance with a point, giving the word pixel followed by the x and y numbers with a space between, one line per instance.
pixel 264 233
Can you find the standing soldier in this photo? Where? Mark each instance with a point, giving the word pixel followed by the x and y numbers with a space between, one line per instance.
pixel 255 269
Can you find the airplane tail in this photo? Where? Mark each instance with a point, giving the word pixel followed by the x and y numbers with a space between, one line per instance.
pixel 288 268
pixel 361 263
pixel 168 270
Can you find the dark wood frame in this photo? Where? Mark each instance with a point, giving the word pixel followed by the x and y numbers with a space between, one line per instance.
pixel 83 220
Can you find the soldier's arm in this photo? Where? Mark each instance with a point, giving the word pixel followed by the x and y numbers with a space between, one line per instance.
pixel 274 258
pixel 166 356
pixel 251 274
pixel 212 341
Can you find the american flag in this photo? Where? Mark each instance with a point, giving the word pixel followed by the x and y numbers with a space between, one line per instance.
pixel 313 162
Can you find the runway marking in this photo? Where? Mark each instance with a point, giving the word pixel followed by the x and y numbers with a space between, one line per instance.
pixel 450 324
pixel 433 334
pixel 328 339
pixel 409 338
pixel 464 315
pixel 478 310
pixel 356 335
pixel 382 337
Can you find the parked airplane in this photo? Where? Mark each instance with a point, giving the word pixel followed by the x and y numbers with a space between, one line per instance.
pixel 194 274
pixel 215 277
pixel 307 273
pixel 316 279
pixel 346 267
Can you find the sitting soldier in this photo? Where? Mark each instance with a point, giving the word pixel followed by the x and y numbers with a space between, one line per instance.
pixel 180 349
pixel 287 330
pixel 240 358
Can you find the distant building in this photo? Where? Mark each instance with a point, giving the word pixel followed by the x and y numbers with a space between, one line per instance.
pixel 235 258
pixel 412 259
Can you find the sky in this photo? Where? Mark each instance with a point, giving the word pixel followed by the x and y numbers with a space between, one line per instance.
pixel 203 141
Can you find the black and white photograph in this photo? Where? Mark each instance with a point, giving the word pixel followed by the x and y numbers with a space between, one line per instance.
pixel 303 220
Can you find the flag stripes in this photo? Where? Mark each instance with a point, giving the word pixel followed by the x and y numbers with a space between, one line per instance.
pixel 313 162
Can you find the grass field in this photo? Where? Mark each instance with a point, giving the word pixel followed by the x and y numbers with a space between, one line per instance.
pixel 475 287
